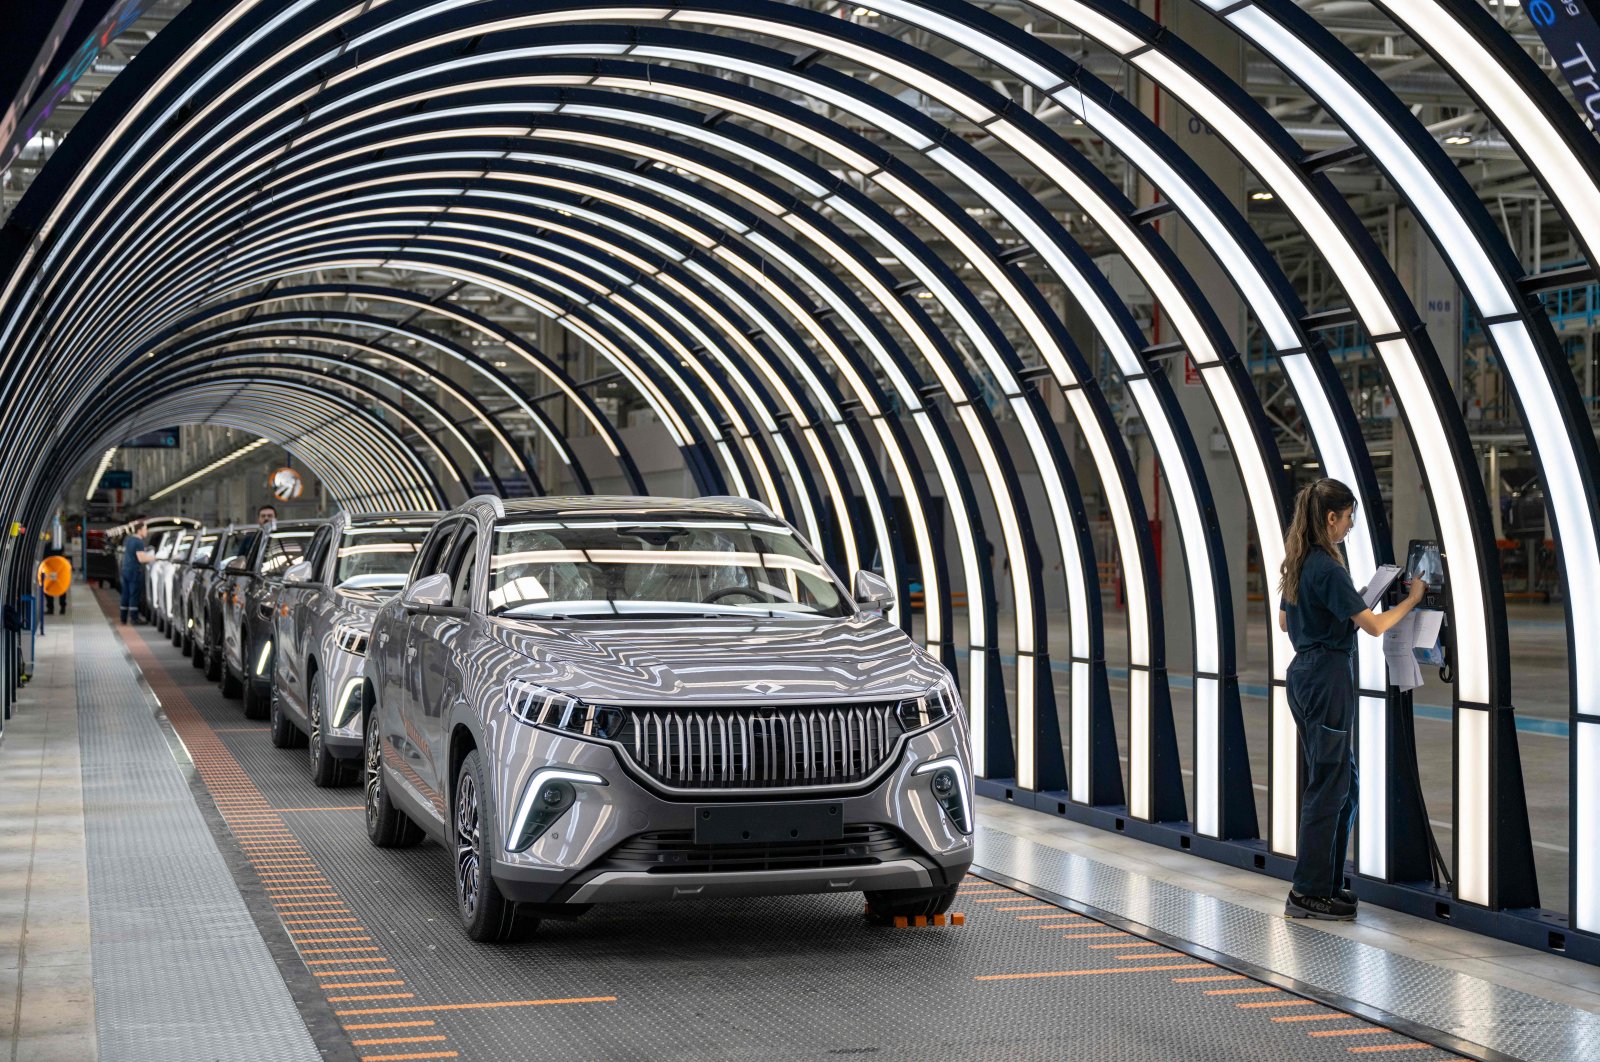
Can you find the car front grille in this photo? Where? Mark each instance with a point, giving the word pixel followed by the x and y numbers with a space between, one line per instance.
pixel 710 749
pixel 674 852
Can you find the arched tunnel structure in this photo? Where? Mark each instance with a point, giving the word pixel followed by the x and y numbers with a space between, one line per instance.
pixel 870 268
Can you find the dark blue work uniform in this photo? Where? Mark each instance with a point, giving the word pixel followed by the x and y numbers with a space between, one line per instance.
pixel 1322 696
pixel 132 577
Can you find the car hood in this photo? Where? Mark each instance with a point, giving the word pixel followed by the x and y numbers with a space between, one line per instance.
pixel 721 661
pixel 361 604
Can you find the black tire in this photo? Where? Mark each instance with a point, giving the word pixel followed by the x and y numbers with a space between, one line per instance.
pixel 327 770
pixel 387 825
pixel 486 915
pixel 885 906
pixel 186 643
pixel 199 654
pixel 285 735
pixel 214 664
pixel 229 683
pixel 175 632
pixel 257 698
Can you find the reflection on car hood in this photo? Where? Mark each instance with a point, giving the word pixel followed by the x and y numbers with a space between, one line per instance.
pixel 362 603
pixel 705 661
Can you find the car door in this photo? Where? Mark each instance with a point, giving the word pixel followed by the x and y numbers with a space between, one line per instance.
pixel 440 635
pixel 235 590
pixel 400 714
pixel 297 604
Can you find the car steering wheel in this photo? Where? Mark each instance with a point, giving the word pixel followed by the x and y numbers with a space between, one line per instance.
pixel 748 591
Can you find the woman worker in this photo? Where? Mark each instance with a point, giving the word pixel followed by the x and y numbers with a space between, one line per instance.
pixel 1321 610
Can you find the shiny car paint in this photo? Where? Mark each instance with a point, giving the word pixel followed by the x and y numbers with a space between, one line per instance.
pixel 311 615
pixel 441 681
pixel 250 601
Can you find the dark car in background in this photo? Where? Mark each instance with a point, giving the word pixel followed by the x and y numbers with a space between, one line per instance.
pixel 326 607
pixel 183 598
pixel 208 593
pixel 249 600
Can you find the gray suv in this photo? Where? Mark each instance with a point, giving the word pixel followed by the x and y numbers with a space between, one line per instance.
pixel 324 616
pixel 603 699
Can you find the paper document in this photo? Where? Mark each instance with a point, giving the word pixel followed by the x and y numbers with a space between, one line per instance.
pixel 1379 582
pixel 1419 630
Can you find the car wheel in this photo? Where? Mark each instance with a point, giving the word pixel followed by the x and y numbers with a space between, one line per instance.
pixel 257 698
pixel 486 915
pixel 387 825
pixel 885 906
pixel 327 770
pixel 285 735
pixel 201 657
pixel 230 685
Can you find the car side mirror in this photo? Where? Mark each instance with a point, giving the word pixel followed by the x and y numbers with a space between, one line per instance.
pixel 238 566
pixel 873 591
pixel 430 592
pixel 298 573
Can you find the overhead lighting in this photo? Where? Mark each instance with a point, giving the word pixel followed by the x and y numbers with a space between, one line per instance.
pixel 94 480
pixel 1262 196
pixel 1458 139
pixel 207 470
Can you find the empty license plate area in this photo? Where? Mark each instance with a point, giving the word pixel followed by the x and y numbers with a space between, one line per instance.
pixel 767 823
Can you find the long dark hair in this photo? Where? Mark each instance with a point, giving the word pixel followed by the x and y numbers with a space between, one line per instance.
pixel 1308 530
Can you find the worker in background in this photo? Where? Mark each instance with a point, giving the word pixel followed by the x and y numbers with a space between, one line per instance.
pixel 267 517
pixel 1321 609
pixel 134 557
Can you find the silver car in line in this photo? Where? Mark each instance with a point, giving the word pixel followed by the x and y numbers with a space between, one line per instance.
pixel 324 616
pixel 604 699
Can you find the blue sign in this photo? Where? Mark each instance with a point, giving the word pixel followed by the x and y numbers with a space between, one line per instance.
pixel 1573 37
pixel 164 439
pixel 116 479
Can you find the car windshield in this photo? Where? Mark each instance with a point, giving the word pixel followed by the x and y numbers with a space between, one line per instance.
pixel 203 548
pixel 576 568
pixel 377 556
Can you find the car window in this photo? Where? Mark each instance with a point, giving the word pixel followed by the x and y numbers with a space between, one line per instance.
pixel 203 548
pixel 378 556
pixel 436 550
pixel 462 570
pixel 317 551
pixel 594 567
pixel 283 549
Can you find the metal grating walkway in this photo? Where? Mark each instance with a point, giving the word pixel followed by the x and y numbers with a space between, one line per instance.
pixel 180 968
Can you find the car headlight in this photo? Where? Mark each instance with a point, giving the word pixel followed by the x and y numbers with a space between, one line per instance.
pixel 537 706
pixel 547 796
pixel 934 707
pixel 947 779
pixel 351 639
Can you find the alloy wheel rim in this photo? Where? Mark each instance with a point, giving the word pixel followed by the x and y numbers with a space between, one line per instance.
pixel 374 779
pixel 314 744
pixel 467 841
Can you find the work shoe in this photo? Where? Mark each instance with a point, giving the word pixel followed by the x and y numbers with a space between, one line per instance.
pixel 1323 908
pixel 1349 897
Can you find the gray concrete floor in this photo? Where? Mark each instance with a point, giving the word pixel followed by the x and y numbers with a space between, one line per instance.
pixel 1538 643
pixel 45 972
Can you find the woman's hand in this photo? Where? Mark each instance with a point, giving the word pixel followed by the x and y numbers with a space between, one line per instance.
pixel 1419 587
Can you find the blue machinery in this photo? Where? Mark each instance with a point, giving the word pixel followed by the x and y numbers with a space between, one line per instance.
pixel 714 202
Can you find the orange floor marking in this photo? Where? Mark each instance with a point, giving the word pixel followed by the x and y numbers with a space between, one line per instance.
pixel 478 1006
pixel 399 1058
pixel 1031 907
pixel 979 892
pixel 377 995
pixel 1368 1049
pixel 1163 954
pixel 350 973
pixel 1000 899
pixel 1059 925
pixel 1062 914
pixel 365 984
pixel 1278 1003
pixel 324 962
pixel 393 1024
pixel 1311 1017
pixel 1082 936
pixel 1086 973
pixel 1124 944
pixel 312 951
pixel 1240 991
pixel 1209 977
pixel 397 1040
pixel 319 921
pixel 1371 1030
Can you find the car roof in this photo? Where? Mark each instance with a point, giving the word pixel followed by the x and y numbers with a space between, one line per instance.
pixel 633 506
pixel 383 519
pixel 296 525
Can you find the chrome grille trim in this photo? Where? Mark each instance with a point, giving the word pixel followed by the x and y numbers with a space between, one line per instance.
pixel 769 747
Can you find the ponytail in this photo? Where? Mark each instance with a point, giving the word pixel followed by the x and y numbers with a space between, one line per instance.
pixel 1308 530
